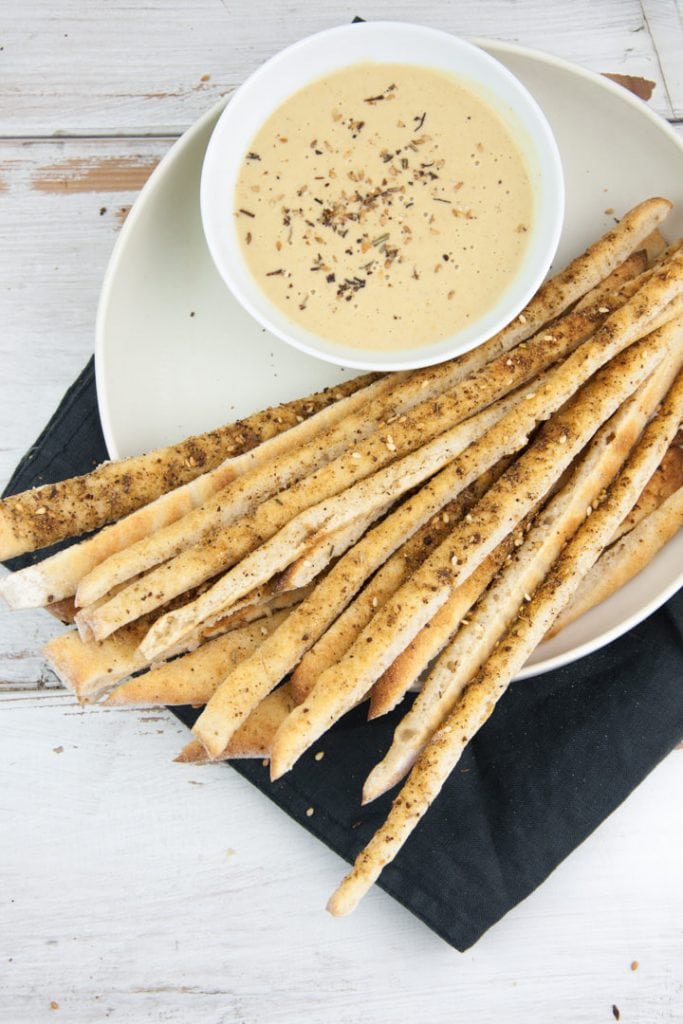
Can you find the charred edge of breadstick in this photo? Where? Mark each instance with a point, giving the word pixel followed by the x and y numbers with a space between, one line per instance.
pixel 497 513
pixel 254 737
pixel 664 482
pixel 366 497
pixel 64 610
pixel 440 756
pixel 521 575
pixel 625 559
pixel 39 517
pixel 395 681
pixel 411 554
pixel 192 678
pixel 60 575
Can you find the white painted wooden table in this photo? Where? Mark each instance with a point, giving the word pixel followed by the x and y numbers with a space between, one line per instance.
pixel 133 889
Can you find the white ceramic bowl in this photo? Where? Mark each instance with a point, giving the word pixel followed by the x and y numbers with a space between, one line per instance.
pixel 380 42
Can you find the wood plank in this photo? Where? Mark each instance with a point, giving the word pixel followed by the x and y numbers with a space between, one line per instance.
pixel 664 22
pixel 179 893
pixel 96 68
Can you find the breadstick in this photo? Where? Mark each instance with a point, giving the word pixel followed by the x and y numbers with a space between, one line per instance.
pixel 193 677
pixel 39 517
pixel 205 528
pixel 205 561
pixel 625 559
pixel 254 737
pixel 631 268
pixel 224 713
pixel 473 643
pixel 57 577
pixel 248 684
pixel 498 512
pixel 344 630
pixel 89 668
pixel 654 300
pixel 565 284
pixel 399 394
pixel 442 754
pixel 666 479
pixel 396 680
pixel 366 498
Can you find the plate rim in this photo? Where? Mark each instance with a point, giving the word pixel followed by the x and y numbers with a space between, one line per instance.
pixel 496 47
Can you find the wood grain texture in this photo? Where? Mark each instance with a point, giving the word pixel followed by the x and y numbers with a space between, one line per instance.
pixel 136 889
pixel 199 920
pixel 76 69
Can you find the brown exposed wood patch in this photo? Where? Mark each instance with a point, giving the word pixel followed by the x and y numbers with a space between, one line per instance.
pixel 95 174
pixel 121 214
pixel 641 87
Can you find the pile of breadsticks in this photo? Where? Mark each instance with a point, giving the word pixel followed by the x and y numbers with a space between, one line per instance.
pixel 429 526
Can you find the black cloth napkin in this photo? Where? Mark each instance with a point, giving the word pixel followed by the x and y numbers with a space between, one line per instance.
pixel 560 752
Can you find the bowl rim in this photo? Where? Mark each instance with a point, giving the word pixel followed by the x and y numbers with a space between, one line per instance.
pixel 541 143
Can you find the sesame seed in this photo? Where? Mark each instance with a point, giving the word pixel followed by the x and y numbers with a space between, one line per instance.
pixel 309 812
pixel 522 318
pixel 469 518
pixel 41 511
pixel 603 309
pixel 375 602
pixel 532 394
pixel 446 518
pixel 527 597
pixel 563 439
pixel 264 631
pixel 320 755
pixel 548 337
pixel 509 362
pixel 356 455
pixel 589 510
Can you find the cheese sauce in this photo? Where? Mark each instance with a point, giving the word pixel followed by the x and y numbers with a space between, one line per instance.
pixel 384 206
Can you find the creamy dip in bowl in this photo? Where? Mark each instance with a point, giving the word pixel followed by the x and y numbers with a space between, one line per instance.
pixel 382 196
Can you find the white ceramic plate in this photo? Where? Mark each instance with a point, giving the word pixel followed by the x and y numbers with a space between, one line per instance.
pixel 177 355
